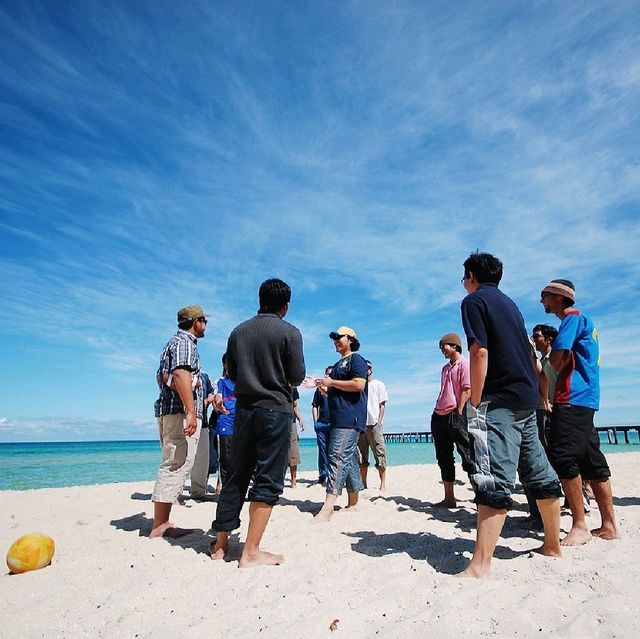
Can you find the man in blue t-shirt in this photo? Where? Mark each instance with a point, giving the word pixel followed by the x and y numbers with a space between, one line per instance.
pixel 321 426
pixel 501 413
pixel 574 446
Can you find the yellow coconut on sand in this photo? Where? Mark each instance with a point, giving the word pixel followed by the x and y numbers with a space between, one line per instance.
pixel 30 552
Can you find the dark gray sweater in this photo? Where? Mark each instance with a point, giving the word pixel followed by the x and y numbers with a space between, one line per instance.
pixel 264 359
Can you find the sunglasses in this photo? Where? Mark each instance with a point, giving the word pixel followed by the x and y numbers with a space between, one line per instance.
pixel 202 319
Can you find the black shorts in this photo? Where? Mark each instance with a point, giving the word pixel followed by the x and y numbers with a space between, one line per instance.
pixel 573 446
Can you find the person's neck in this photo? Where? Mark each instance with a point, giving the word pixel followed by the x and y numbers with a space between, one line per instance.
pixel 564 312
pixel 546 351
pixel 454 358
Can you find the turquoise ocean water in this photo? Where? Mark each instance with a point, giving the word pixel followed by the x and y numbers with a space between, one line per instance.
pixel 50 465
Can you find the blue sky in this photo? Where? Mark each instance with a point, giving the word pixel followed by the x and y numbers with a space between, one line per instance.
pixel 160 154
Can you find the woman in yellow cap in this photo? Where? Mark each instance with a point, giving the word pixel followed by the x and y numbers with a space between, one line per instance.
pixel 346 390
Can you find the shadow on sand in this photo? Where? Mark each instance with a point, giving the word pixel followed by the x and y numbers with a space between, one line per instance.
pixel 197 540
pixel 443 555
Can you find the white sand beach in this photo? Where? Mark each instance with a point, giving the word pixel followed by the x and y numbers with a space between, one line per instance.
pixel 383 572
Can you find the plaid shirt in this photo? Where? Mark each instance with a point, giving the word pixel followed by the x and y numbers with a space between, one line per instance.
pixel 181 351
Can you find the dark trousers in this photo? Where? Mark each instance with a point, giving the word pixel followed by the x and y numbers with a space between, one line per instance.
pixel 447 431
pixel 322 437
pixel 213 451
pixel 223 451
pixel 261 439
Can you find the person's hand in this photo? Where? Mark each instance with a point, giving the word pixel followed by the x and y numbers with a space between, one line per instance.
pixel 190 424
pixel 301 424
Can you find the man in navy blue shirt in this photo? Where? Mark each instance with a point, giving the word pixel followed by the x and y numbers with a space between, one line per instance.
pixel 501 413
pixel 321 425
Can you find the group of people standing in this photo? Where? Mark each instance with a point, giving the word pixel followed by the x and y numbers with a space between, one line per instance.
pixel 508 412
pixel 502 408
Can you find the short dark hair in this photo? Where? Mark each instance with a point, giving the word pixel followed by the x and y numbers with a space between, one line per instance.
pixel 186 325
pixel 274 294
pixel 548 332
pixel 354 343
pixel 486 267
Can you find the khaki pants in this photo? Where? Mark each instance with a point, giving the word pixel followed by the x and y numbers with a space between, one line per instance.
pixel 178 453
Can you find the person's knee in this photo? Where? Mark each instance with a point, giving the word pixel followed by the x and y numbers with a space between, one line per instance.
pixel 566 467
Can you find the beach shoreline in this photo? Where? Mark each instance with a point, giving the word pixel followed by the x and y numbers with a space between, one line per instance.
pixel 386 571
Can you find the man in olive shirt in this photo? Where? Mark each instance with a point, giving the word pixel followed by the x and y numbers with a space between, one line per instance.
pixel 264 359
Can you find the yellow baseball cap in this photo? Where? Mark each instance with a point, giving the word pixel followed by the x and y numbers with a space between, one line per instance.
pixel 343 330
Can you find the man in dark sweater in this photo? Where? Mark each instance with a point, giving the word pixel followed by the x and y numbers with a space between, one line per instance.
pixel 264 359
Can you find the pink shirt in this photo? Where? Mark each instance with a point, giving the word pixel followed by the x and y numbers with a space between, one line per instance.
pixel 455 378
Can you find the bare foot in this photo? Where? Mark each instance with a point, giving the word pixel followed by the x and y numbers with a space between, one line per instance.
pixel 446 503
pixel 159 531
pixel 322 517
pixel 383 488
pixel 576 537
pixel 293 484
pixel 219 548
pixel 548 551
pixel 606 532
pixel 351 509
pixel 473 573
pixel 261 558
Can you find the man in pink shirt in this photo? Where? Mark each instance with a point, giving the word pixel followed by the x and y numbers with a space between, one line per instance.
pixel 448 422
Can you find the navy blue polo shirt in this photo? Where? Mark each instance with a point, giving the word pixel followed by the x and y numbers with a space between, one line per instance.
pixel 492 320
pixel 349 410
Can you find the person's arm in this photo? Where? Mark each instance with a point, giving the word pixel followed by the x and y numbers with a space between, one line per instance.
pixel 348 385
pixel 560 360
pixel 462 400
pixel 296 412
pixel 182 385
pixel 381 413
pixel 478 362
pixel 294 367
pixel 314 414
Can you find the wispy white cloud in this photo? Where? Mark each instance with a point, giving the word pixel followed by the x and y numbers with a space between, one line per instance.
pixel 161 158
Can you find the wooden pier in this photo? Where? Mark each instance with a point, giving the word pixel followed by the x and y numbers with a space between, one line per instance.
pixel 411 438
pixel 613 431
pixel 423 436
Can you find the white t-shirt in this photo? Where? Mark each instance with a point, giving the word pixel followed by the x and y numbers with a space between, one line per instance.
pixel 377 393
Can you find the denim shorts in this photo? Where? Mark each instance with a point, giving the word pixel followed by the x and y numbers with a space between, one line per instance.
pixel 503 440
pixel 343 461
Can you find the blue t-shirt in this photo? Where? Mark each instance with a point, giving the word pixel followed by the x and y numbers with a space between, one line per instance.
pixel 579 383
pixel 349 410
pixel 224 423
pixel 321 402
pixel 492 320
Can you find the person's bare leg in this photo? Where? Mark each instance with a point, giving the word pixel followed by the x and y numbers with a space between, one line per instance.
pixel 259 514
pixel 383 478
pixel 294 475
pixel 363 474
pixel 220 547
pixel 550 514
pixel 352 500
pixel 609 527
pixel 218 487
pixel 326 512
pixel 490 523
pixel 161 512
pixel 449 500
pixel 579 533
